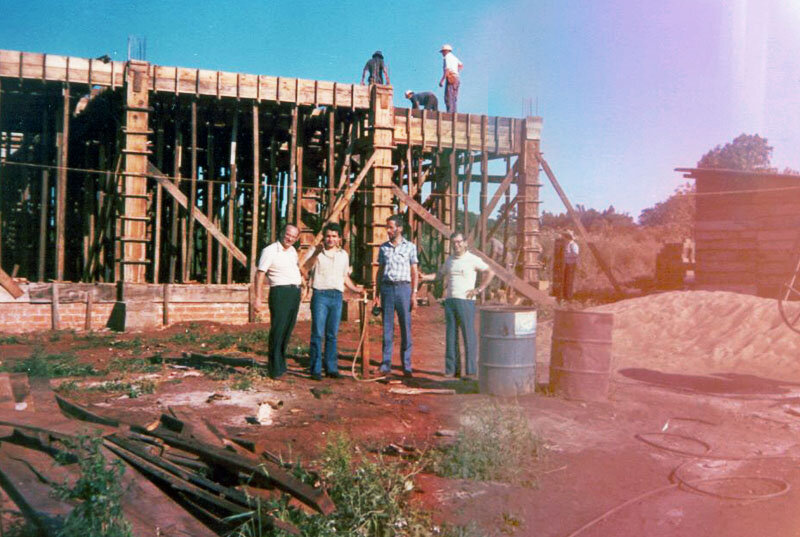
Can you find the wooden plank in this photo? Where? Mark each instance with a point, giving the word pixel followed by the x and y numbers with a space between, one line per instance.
pixel 522 287
pixel 231 216
pixel 486 211
pixel 180 198
pixel 187 269
pixel 8 283
pixel 82 413
pixel 62 142
pixel 256 192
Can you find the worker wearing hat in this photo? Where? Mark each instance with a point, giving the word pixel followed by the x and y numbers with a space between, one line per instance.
pixel 451 73
pixel 376 68
pixel 424 99
pixel 571 258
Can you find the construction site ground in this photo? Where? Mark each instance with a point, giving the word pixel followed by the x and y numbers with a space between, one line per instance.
pixel 699 434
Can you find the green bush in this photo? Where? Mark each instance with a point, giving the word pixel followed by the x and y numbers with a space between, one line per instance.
pixel 495 442
pixel 39 364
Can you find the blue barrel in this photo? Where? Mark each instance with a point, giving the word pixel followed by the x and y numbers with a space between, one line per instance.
pixel 507 358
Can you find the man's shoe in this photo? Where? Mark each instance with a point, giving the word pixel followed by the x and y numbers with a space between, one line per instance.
pixel 316 376
pixel 408 374
pixel 385 370
pixel 333 375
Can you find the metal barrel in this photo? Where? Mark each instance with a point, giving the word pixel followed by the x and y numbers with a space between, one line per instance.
pixel 507 358
pixel 580 356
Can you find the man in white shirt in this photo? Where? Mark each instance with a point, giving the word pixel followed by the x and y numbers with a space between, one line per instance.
pixel 451 73
pixel 571 258
pixel 278 264
pixel 330 275
pixel 459 273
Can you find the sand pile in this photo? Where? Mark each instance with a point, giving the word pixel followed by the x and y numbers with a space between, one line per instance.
pixel 699 332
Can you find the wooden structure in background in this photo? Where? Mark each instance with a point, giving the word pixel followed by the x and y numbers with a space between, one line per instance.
pixel 141 173
pixel 747 230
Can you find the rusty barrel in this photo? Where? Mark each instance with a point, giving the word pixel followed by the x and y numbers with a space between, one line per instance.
pixel 507 356
pixel 580 356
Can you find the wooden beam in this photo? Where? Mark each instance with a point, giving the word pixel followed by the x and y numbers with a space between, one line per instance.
pixel 231 219
pixel 340 204
pixel 8 283
pixel 486 211
pixel 187 269
pixel 180 198
pixel 519 285
pixel 209 201
pixel 579 226
pixel 61 184
pixel 256 191
pixel 177 159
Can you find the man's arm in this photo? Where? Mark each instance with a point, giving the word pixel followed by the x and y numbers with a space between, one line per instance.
pixel 378 277
pixel 414 284
pixel 386 73
pixel 259 291
pixel 486 278
pixel 352 286
pixel 364 73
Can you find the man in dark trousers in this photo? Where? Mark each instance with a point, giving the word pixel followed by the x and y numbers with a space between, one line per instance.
pixel 376 68
pixel 278 264
pixel 396 291
pixel 424 99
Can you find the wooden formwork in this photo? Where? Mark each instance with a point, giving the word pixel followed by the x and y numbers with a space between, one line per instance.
pixel 136 172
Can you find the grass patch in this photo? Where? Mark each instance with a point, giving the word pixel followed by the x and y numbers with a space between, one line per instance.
pixel 40 364
pixel 11 340
pixel 372 498
pixel 134 365
pixel 132 389
pixel 93 339
pixel 98 492
pixel 494 443
pixel 245 381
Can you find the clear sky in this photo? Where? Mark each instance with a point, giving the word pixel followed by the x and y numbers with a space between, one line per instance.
pixel 628 89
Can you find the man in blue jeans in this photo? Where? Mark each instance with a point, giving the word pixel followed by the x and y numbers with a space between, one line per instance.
pixel 459 274
pixel 329 276
pixel 396 291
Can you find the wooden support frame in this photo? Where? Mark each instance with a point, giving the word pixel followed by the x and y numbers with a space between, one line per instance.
pixel 61 183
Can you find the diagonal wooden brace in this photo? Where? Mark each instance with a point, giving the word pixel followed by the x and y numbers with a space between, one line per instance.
pixel 518 284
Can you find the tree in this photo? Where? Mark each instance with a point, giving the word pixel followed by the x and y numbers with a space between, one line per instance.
pixel 677 210
pixel 747 152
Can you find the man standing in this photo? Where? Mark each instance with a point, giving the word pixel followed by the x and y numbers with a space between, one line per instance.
pixel 571 257
pixel 425 99
pixel 459 274
pixel 451 73
pixel 396 291
pixel 376 68
pixel 330 275
pixel 278 263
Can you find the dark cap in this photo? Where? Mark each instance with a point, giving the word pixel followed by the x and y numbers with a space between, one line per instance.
pixel 378 53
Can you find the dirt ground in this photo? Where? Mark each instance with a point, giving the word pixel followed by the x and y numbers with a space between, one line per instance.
pixel 699 434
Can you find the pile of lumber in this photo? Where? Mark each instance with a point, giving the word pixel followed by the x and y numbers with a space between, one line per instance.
pixel 182 477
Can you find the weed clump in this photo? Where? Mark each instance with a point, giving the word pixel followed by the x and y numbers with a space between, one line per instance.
pixel 372 498
pixel 494 443
pixel 39 364
pixel 99 491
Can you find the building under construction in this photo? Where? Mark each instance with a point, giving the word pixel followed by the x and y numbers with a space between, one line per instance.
pixel 137 194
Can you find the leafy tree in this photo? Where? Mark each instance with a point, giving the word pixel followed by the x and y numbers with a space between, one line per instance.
pixel 678 210
pixel 747 152
pixel 590 218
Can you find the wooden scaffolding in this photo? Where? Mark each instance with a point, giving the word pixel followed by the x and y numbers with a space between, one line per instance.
pixel 140 173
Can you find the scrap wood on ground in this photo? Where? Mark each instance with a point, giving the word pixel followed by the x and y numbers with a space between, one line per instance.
pixel 181 474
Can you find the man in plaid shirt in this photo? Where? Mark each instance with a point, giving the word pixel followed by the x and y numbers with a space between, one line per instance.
pixel 396 291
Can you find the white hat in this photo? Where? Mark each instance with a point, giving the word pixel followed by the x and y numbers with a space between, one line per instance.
pixel 446 47
pixel 409 93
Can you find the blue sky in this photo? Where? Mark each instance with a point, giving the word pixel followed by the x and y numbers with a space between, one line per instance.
pixel 628 89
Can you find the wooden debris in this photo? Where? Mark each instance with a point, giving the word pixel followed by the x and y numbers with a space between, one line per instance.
pixel 420 391
pixel 8 283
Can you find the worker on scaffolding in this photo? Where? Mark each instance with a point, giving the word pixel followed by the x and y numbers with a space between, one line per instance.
pixel 451 73
pixel 376 68
pixel 425 99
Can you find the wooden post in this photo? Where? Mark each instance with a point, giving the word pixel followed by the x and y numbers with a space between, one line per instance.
pixel 274 179
pixel 62 141
pixel 187 269
pixel 159 203
pixel 177 160
pixel 256 196
pixel 165 312
pixel 232 194
pixel 292 179
pixel 528 204
pixel 484 180
pixel 331 157
pixel 54 307
pixel 135 219
pixel 378 197
pixel 87 325
pixel 298 217
pixel 209 201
